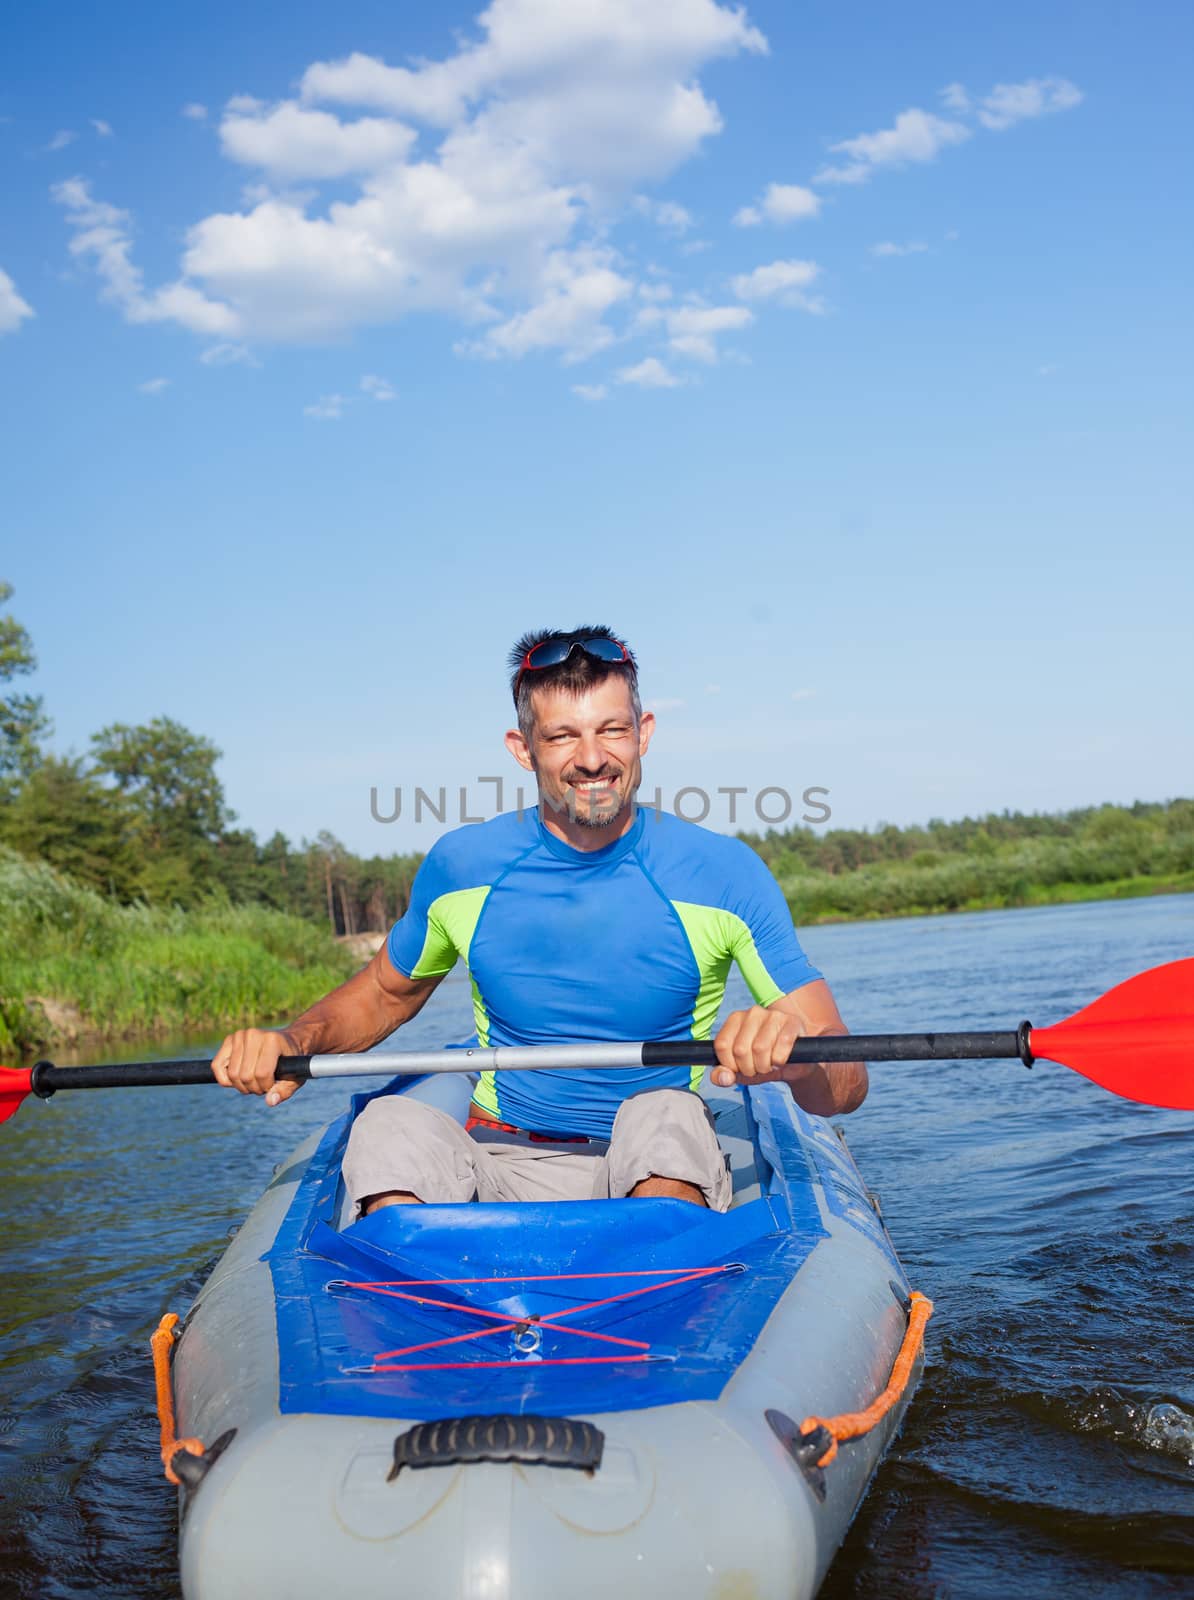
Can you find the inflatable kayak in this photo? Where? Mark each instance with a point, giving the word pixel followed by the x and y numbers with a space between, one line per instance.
pixel 519 1402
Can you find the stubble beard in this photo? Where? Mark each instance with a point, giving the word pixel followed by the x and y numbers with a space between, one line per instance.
pixel 594 816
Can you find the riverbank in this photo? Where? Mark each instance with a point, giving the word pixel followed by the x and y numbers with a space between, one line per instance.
pixel 76 966
pixel 917 900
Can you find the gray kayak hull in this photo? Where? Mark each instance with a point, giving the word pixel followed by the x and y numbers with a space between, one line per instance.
pixel 696 1499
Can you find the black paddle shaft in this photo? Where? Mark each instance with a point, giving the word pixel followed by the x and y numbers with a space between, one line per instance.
pixel 867 1047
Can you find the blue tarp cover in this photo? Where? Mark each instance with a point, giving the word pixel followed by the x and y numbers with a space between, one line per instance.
pixel 334 1337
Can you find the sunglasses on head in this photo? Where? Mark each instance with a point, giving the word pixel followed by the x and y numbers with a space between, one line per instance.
pixel 552 651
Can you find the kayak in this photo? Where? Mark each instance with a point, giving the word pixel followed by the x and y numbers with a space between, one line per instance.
pixel 516 1402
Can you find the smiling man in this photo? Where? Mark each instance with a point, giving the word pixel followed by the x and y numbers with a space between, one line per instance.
pixel 586 919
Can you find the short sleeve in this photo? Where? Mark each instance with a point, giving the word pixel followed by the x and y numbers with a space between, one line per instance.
pixel 765 946
pixel 420 945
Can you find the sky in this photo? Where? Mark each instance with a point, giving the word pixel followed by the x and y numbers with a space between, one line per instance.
pixel 837 355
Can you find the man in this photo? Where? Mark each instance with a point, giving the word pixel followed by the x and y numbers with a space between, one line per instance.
pixel 585 919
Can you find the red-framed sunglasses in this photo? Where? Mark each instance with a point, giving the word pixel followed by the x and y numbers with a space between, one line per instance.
pixel 552 651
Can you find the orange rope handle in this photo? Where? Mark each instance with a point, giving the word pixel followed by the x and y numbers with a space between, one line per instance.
pixel 161 1344
pixel 853 1423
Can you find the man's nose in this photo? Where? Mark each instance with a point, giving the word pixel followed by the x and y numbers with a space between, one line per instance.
pixel 590 757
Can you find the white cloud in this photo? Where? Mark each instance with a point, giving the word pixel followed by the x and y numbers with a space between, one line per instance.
pixel 955 97
pixel 534 133
pixel 291 142
pixel 328 408
pixel 104 129
pixel 590 391
pixel 227 355
pixel 666 704
pixel 693 330
pixel 665 214
pixel 782 281
pixel 803 694
pixel 101 233
pixel 61 139
pixel 153 386
pixel 195 111
pixel 436 92
pixel 654 292
pixel 571 76
pixel 649 374
pixel 13 309
pixel 673 217
pixel 577 288
pixel 378 388
pixel 914 136
pixel 1009 103
pixel 781 202
pixel 888 247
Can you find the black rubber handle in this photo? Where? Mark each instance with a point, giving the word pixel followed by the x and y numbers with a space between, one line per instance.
pixel 46 1077
pixel 866 1047
pixel 542 1441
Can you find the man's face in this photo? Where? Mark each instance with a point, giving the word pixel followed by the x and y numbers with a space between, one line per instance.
pixel 586 751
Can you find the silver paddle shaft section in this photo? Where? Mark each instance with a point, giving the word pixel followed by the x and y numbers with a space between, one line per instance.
pixel 505 1058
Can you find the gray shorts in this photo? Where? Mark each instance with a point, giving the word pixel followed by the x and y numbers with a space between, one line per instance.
pixel 400 1144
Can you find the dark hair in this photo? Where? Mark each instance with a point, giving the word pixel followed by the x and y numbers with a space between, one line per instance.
pixel 576 674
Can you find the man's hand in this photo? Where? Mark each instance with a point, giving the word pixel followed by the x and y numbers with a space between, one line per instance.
pixel 753 1047
pixel 754 1044
pixel 356 1016
pixel 248 1059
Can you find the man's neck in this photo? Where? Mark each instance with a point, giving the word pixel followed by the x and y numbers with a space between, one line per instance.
pixel 578 836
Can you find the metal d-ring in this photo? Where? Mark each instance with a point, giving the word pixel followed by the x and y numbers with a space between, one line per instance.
pixel 528 1336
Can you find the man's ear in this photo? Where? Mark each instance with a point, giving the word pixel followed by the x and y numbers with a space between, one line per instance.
pixel 646 728
pixel 519 749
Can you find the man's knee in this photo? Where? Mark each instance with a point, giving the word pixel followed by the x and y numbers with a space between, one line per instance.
pixel 658 1108
pixel 668 1133
pixel 400 1145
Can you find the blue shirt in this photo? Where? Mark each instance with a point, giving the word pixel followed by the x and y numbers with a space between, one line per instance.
pixel 630 941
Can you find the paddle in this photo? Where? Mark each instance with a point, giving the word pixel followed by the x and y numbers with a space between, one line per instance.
pixel 1136 1040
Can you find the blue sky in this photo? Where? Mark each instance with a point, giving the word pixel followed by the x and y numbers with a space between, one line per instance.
pixel 837 354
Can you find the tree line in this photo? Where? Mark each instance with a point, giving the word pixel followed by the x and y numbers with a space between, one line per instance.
pixel 842 850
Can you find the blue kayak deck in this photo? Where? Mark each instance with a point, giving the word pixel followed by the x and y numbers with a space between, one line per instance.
pixel 558 1309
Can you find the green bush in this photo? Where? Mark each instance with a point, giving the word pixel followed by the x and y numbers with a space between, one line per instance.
pixel 141 969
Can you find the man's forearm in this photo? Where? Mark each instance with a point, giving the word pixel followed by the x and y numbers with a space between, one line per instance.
pixel 829 1088
pixel 356 1016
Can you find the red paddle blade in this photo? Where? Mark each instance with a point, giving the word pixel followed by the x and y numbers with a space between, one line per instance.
pixel 1136 1040
pixel 15 1084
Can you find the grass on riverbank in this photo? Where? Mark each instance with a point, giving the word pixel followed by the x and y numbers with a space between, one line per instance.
pixel 909 899
pixel 1108 854
pixel 72 961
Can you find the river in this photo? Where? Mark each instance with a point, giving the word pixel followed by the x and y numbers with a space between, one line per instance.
pixel 1050 1447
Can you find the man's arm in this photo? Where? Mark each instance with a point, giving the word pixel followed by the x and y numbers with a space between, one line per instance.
pixel 356 1016
pixel 753 1047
